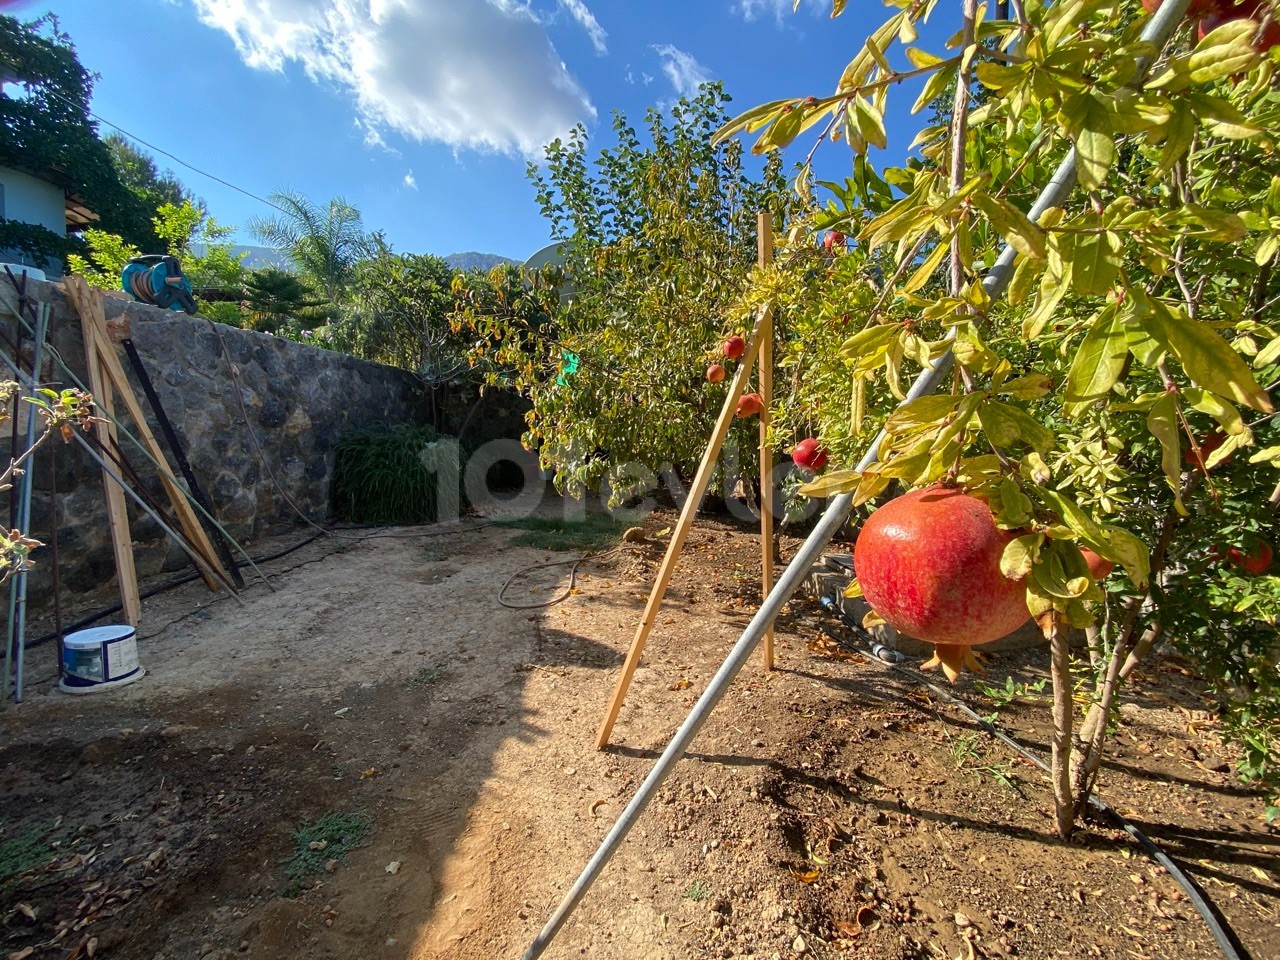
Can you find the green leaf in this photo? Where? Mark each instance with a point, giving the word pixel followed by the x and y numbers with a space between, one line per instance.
pixel 1006 425
pixel 1020 555
pixel 936 85
pixel 1095 262
pixel 921 412
pixel 1090 125
pixel 1099 361
pixel 1224 52
pixel 1268 354
pixel 870 123
pixel 1162 421
pixel 1208 360
pixel 751 120
pixel 1014 225
pixel 867 344
pixel 1030 386
pixel 926 269
pixel 830 484
pixel 1210 403
pixel 1013 508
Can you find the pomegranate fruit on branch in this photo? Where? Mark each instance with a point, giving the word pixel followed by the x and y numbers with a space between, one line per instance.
pixel 928 563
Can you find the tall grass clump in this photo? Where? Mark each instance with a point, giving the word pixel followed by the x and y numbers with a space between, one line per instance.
pixel 381 476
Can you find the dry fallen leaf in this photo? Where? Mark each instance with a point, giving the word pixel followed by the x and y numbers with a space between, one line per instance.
pixel 810 876
pixel 681 684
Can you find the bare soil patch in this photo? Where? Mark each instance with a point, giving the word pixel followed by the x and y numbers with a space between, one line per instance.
pixel 831 808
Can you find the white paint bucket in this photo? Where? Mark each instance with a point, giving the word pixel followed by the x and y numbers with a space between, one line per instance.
pixel 99 658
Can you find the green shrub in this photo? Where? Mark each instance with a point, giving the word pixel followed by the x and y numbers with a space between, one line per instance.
pixel 387 475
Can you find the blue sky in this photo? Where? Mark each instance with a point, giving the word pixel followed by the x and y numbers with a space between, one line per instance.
pixel 424 113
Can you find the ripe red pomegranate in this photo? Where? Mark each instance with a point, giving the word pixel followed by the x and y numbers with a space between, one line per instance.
pixel 834 240
pixel 750 404
pixel 1099 567
pixel 1255 561
pixel 734 347
pixel 715 373
pixel 929 564
pixel 810 454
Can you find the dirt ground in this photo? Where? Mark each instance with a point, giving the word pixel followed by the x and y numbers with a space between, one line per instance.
pixel 831 808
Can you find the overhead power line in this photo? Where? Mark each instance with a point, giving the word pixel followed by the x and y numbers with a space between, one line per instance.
pixel 173 157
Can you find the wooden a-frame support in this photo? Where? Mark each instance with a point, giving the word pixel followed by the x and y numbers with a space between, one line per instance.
pixel 106 374
pixel 759 345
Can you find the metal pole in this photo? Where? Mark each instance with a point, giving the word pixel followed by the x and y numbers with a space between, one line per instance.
pixel 24 498
pixel 1157 32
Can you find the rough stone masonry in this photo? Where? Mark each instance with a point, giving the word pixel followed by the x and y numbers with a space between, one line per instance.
pixel 298 400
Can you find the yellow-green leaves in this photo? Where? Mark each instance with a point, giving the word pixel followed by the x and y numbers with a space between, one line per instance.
pixel 1020 555
pixel 1207 359
pixel 1098 363
pixel 1006 425
pixel 1087 121
pixel 1112 543
pixel 1012 224
pixel 1224 52
pixel 1162 421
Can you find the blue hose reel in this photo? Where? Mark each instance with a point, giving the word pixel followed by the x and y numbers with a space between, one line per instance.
pixel 158 280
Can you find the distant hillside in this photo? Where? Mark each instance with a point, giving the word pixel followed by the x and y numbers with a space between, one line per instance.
pixel 476 261
pixel 259 257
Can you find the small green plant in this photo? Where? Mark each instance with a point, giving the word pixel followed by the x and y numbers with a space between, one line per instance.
pixel 965 750
pixel 427 675
pixel 554 533
pixel 698 890
pixel 389 475
pixel 24 851
pixel 331 837
pixel 1012 692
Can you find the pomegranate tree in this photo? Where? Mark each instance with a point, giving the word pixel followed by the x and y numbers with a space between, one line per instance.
pixel 928 563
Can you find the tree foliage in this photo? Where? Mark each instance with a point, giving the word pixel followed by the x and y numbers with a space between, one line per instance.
pixel 48 131
pixel 397 312
pixel 1137 323
pixel 324 241
pixel 657 239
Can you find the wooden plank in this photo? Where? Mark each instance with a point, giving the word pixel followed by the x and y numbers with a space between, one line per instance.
pixel 117 512
pixel 197 538
pixel 88 302
pixel 764 257
pixel 696 491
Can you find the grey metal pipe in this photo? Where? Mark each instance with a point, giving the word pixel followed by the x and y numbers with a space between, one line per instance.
pixel 1157 32
pixel 24 503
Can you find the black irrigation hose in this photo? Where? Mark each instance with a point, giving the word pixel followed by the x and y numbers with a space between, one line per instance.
pixel 1225 937
pixel 189 578
pixel 170 585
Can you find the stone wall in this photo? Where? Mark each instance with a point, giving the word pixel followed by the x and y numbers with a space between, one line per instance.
pixel 258 417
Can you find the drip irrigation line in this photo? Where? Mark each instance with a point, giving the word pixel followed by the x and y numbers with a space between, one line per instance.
pixel 192 577
pixel 1226 939
pixel 569 588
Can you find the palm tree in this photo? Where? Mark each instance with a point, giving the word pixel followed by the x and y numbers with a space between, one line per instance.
pixel 324 242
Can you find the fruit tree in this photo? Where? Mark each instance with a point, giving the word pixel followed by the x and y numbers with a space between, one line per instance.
pixel 1139 320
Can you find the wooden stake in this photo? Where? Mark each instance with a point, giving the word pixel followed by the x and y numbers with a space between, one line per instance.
pixel 699 487
pixel 88 303
pixel 764 257
pixel 117 512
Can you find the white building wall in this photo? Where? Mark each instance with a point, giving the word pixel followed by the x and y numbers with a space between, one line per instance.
pixel 31 200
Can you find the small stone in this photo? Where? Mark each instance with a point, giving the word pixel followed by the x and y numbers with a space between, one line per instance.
pixel 317 844
pixel 330 866
pixel 799 946
pixel 962 921
pixel 393 867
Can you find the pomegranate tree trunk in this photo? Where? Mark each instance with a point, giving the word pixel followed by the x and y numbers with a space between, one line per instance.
pixel 1060 766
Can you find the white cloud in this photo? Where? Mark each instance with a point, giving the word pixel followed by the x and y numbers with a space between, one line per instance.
pixel 578 10
pixel 753 9
pixel 410 181
pixel 684 72
pixel 477 74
